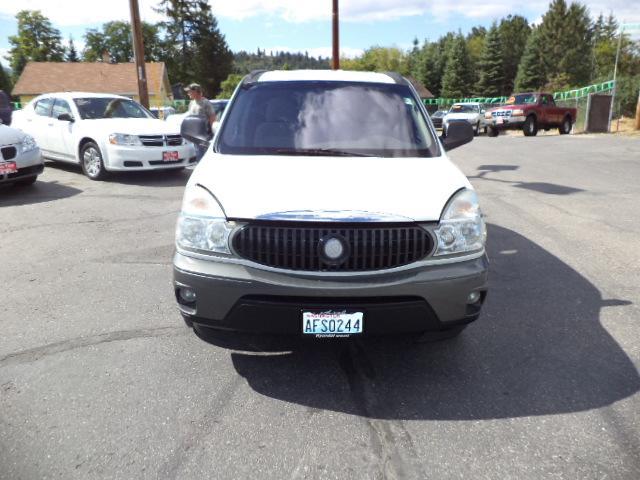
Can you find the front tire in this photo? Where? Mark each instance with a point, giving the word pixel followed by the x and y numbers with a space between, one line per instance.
pixel 530 127
pixel 565 128
pixel 492 132
pixel 91 161
pixel 476 131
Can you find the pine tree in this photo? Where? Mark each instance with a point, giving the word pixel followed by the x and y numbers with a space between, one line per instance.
pixel 72 54
pixel 531 72
pixel 565 34
pixel 195 50
pixel 457 80
pixel 514 31
pixel 491 65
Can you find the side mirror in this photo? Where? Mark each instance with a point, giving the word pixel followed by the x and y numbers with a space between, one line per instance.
pixel 458 133
pixel 65 117
pixel 195 129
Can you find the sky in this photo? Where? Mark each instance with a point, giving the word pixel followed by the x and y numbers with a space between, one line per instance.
pixel 305 25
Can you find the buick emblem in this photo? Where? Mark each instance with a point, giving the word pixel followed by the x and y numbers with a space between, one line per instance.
pixel 333 249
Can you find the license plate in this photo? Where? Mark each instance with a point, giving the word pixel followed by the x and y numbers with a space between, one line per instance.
pixel 332 323
pixel 170 156
pixel 8 167
pixel 499 120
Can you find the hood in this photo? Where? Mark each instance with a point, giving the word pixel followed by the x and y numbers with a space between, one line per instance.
pixel 330 188
pixel 461 116
pixel 10 136
pixel 132 126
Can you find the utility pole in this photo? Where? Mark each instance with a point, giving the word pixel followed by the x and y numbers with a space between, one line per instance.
pixel 615 75
pixel 336 37
pixel 638 113
pixel 138 53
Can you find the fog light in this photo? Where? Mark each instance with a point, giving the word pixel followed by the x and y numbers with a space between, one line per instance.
pixel 187 295
pixel 472 298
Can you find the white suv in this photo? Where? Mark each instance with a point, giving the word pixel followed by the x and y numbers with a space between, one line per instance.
pixel 102 133
pixel 327 207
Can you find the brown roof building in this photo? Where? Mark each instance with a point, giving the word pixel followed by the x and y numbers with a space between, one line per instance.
pixel 98 77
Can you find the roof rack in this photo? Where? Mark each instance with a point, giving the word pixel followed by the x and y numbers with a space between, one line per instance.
pixel 396 77
pixel 252 77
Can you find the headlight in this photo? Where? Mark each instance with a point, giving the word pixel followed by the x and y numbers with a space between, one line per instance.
pixel 202 226
pixel 124 139
pixel 517 113
pixel 462 228
pixel 28 144
pixel 487 115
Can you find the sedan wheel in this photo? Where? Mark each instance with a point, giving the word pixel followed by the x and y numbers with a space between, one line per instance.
pixel 92 164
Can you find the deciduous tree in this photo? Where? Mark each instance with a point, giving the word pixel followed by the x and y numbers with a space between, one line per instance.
pixel 36 41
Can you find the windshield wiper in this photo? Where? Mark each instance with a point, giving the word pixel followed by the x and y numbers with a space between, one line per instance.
pixel 319 152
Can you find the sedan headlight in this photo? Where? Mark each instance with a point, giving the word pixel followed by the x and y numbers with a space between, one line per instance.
pixel 28 144
pixel 124 139
pixel 461 228
pixel 202 225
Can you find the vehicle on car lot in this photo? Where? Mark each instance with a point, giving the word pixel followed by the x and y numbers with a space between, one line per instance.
pixel 20 159
pixel 5 108
pixel 162 112
pixel 436 118
pixel 103 133
pixel 219 107
pixel 530 112
pixel 472 112
pixel 327 206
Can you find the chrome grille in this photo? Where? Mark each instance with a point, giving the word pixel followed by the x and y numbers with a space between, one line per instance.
pixel 152 140
pixel 174 140
pixel 501 113
pixel 161 140
pixel 296 246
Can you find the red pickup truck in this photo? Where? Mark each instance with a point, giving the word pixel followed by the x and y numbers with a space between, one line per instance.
pixel 530 112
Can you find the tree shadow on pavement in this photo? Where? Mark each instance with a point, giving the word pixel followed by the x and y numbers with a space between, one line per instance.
pixel 538 349
pixel 39 192
pixel 542 187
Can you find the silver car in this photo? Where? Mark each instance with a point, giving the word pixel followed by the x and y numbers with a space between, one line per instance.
pixel 20 158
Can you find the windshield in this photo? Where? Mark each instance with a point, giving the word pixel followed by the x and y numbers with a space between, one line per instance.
pixel 325 117
pixel 522 99
pixel 106 107
pixel 464 109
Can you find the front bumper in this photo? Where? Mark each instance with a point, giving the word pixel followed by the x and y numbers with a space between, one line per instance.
pixel 507 123
pixel 237 297
pixel 29 164
pixel 122 158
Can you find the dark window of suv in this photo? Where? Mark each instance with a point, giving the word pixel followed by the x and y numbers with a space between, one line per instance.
pixel 325 118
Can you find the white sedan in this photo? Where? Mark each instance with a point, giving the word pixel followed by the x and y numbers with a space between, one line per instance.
pixel 472 112
pixel 103 133
pixel 20 159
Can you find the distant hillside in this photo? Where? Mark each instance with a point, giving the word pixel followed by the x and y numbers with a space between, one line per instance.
pixel 245 62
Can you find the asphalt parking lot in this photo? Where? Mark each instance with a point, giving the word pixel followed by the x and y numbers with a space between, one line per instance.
pixel 99 377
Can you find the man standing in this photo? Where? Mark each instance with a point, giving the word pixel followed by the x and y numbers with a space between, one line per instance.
pixel 200 107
